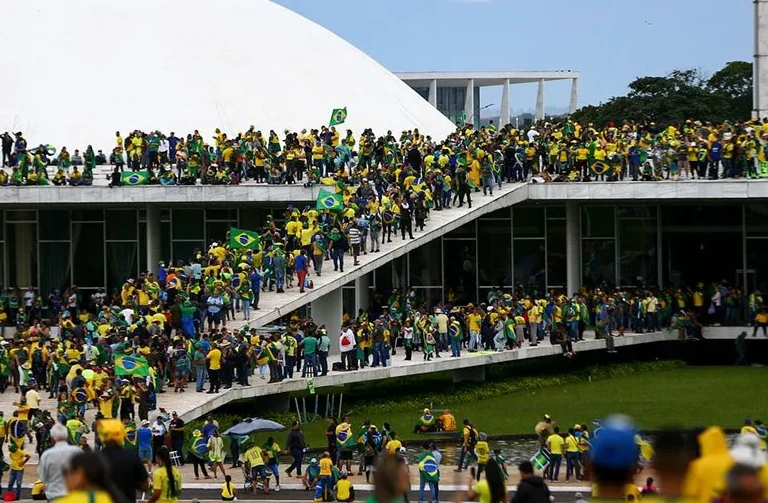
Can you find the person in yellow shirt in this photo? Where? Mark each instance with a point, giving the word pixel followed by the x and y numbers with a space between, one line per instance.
pixel 254 459
pixel 394 444
pixel 19 459
pixel 214 367
pixel 326 475
pixel 572 465
pixel 473 325
pixel 555 444
pixel 482 452
pixel 166 480
pixel 345 492
pixel 228 489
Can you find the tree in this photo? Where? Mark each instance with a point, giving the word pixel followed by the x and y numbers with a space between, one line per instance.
pixel 681 95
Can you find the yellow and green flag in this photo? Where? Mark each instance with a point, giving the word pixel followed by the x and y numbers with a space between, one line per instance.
pixel 134 178
pixel 240 239
pixel 338 116
pixel 330 201
pixel 126 365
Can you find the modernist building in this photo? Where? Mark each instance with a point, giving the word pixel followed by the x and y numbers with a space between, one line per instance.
pixel 457 94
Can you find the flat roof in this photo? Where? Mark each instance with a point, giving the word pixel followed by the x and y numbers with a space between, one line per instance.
pixel 483 79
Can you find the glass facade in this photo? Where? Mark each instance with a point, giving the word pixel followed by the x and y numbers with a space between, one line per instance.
pixel 625 245
pixel 451 101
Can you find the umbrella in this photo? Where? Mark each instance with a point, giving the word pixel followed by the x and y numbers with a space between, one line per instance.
pixel 253 425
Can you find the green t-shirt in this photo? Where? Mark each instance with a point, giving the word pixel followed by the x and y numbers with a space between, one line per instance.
pixel 310 345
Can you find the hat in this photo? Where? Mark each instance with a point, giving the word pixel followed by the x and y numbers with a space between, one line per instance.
pixel 197 433
pixel 402 450
pixel 313 460
pixel 615 447
pixel 145 423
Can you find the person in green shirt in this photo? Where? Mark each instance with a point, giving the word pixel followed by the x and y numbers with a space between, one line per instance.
pixel 309 344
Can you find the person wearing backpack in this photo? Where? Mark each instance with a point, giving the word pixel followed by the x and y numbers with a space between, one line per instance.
pixel 469 440
pixel 182 364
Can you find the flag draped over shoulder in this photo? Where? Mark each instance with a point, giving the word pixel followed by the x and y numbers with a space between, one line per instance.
pixel 330 201
pixel 131 365
pixel 428 467
pixel 338 116
pixel 240 239
pixel 135 178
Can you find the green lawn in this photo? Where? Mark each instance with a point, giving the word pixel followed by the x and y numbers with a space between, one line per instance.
pixel 686 397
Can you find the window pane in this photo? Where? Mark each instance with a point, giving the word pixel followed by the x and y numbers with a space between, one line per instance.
pixel 121 224
pixel 427 298
pixel 22 254
pixel 183 250
pixel 88 254
pixel 20 215
pixel 555 211
pixel 495 252
pixel 465 231
pixel 757 250
pixel 121 263
pixel 460 271
pixel 597 222
pixel 348 302
pixel 528 222
pixel 502 213
pixel 217 231
pixel 383 278
pixel 636 211
pixel 556 254
pixel 54 225
pixel 637 253
pixel 87 215
pixel 701 255
pixel 221 214
pixel 54 267
pixel 187 224
pixel 426 264
pixel 598 258
pixel 756 215
pixel 529 263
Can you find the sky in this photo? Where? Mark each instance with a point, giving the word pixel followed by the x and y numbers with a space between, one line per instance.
pixel 610 42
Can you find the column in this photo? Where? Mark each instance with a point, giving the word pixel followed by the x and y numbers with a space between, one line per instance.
pixel 362 292
pixel 469 103
pixel 574 96
pixel 540 101
pixel 153 237
pixel 433 93
pixel 572 247
pixel 328 311
pixel 504 117
pixel 760 65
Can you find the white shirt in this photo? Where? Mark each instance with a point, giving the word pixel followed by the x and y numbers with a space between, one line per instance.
pixel 532 134
pixel 128 314
pixel 33 399
pixel 164 146
pixel 29 298
pixel 158 430
pixel 50 468
pixel 347 341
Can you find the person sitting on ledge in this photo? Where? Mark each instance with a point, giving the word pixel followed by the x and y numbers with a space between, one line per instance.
pixel 427 423
pixel 447 422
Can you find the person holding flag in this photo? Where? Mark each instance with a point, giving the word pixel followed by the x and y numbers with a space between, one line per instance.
pixel 456 334
pixel 429 473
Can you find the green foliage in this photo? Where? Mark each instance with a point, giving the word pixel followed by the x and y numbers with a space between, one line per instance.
pixel 681 95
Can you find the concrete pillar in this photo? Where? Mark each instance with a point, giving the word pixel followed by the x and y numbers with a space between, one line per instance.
pixel 760 66
pixel 572 247
pixel 362 293
pixel 328 310
pixel 540 101
pixel 470 374
pixel 504 115
pixel 433 93
pixel 574 96
pixel 469 103
pixel 153 237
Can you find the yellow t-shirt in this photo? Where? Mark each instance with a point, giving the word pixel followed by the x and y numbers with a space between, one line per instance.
pixel 394 445
pixel 17 459
pixel 326 467
pixel 86 497
pixel 228 490
pixel 571 444
pixel 160 481
pixel 483 491
pixel 482 451
pixel 214 357
pixel 555 443
pixel 473 320
pixel 253 457
pixel 343 487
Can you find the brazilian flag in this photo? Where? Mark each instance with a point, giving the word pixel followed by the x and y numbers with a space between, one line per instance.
pixel 131 365
pixel 509 329
pixel 134 178
pixel 198 447
pixel 130 435
pixel 455 332
pixel 329 201
pixel 338 116
pixel 344 437
pixel 428 467
pixel 240 239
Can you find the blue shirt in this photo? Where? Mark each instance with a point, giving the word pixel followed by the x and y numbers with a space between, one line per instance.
pixel 208 429
pixel 144 438
pixel 255 281
pixel 716 151
pixel 301 263
pixel 214 304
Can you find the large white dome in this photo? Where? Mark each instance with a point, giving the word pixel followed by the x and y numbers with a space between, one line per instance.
pixel 75 71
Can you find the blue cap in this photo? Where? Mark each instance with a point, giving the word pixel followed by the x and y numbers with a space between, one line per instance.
pixel 615 448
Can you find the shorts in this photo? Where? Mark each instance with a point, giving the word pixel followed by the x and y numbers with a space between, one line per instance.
pixel 345 455
pixel 145 454
pixel 181 374
pixel 259 471
pixel 275 469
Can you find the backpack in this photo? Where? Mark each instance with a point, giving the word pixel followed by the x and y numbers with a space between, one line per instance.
pixel 472 436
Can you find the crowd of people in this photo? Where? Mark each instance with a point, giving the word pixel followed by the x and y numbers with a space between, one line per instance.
pixel 554 151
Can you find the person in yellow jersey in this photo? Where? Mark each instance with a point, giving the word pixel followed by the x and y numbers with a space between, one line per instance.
pixel 228 489
pixel 345 491
pixel 166 480
pixel 572 464
pixel 394 444
pixel 256 463
pixel 482 453
pixel 555 444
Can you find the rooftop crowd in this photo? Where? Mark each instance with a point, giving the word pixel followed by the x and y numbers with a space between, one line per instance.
pixel 552 151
